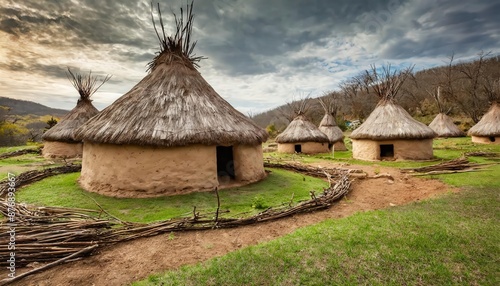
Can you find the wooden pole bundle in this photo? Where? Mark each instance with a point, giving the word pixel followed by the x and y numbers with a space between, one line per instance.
pixel 458 165
pixel 37 151
pixel 32 176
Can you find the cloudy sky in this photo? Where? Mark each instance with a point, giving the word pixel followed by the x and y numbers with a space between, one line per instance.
pixel 261 53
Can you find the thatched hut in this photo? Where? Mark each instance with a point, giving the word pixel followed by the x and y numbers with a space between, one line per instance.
pixel 487 130
pixel 328 124
pixel 59 141
pixel 443 124
pixel 390 132
pixel 301 135
pixel 444 127
pixel 171 133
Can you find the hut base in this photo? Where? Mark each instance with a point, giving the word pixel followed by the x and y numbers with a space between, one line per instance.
pixel 54 149
pixel 303 147
pixel 339 146
pixel 486 140
pixel 143 171
pixel 370 150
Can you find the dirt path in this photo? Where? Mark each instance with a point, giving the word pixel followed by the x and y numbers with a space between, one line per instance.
pixel 127 262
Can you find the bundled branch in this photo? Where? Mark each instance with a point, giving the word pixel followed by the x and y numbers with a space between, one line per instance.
pixel 86 85
pixel 458 165
pixel 32 176
pixel 482 154
pixel 52 234
pixel 318 172
pixel 37 151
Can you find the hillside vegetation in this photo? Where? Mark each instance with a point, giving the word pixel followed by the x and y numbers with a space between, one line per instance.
pixel 464 89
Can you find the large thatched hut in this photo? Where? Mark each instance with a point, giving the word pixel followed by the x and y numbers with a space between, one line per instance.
pixel 171 133
pixel 487 130
pixel 301 135
pixel 328 124
pixel 390 132
pixel 59 141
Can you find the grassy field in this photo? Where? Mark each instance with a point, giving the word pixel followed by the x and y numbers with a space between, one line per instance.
pixel 276 189
pixel 453 240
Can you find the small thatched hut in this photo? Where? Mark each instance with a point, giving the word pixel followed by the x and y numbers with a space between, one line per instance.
pixel 443 124
pixel 328 124
pixel 487 130
pixel 390 132
pixel 301 135
pixel 59 141
pixel 444 127
pixel 171 133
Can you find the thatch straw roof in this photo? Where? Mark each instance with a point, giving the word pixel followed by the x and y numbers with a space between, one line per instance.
pixel 301 130
pixel 65 129
pixel 444 127
pixel 331 129
pixel 173 105
pixel 390 121
pixel 328 125
pixel 489 125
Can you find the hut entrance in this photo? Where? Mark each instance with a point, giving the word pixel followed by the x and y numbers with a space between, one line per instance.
pixel 330 146
pixel 225 163
pixel 298 148
pixel 492 139
pixel 386 151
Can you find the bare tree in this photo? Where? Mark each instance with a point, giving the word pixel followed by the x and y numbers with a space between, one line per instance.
pixel 385 82
pixel 351 89
pixel 491 88
pixel 295 108
pixel 473 100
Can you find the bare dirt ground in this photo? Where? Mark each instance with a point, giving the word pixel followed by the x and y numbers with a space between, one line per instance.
pixel 124 263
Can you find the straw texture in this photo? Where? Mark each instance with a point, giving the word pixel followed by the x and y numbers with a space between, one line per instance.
pixel 489 125
pixel 65 129
pixel 173 105
pixel 390 121
pixel 301 130
pixel 330 128
pixel 444 127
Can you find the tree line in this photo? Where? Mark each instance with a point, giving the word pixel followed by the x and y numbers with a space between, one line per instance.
pixel 459 89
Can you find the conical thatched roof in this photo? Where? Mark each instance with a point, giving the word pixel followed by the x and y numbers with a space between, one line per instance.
pixel 65 129
pixel 444 127
pixel 390 121
pixel 328 125
pixel 489 125
pixel 173 105
pixel 301 130
pixel 331 129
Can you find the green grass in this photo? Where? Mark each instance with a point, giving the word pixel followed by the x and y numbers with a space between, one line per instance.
pixel 21 160
pixel 444 149
pixel 452 240
pixel 449 241
pixel 276 189
pixel 16 148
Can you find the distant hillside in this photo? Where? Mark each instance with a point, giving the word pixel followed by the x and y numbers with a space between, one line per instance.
pixel 414 95
pixel 24 107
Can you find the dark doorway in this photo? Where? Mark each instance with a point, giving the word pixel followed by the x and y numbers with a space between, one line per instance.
pixel 492 139
pixel 225 162
pixel 386 151
pixel 330 146
pixel 298 148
